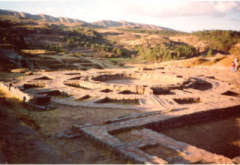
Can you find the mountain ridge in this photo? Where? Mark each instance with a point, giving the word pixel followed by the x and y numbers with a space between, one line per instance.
pixel 111 23
pixel 44 18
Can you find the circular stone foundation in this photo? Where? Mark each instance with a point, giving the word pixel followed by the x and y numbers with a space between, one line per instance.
pixel 145 79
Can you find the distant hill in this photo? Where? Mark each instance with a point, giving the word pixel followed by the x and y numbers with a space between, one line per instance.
pixel 110 39
pixel 41 18
pixel 125 24
pixel 47 19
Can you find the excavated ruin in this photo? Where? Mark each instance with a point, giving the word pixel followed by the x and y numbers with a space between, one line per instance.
pixel 182 119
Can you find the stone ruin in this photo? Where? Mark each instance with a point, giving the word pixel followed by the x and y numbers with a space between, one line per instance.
pixel 169 101
pixel 35 101
pixel 141 138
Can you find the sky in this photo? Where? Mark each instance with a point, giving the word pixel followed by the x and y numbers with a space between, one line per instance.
pixel 183 15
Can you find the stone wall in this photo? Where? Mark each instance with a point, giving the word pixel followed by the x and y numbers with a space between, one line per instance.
pixel 142 128
pixel 138 89
pixel 15 92
pixel 107 77
pixel 115 76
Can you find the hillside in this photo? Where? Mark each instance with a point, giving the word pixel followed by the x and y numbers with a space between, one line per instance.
pixel 62 40
pixel 39 19
pixel 47 19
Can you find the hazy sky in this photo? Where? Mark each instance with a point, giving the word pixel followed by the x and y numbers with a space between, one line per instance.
pixel 185 15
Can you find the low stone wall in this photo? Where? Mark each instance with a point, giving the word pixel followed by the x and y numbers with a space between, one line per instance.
pixel 35 84
pixel 98 81
pixel 114 76
pixel 138 89
pixel 107 77
pixel 15 92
